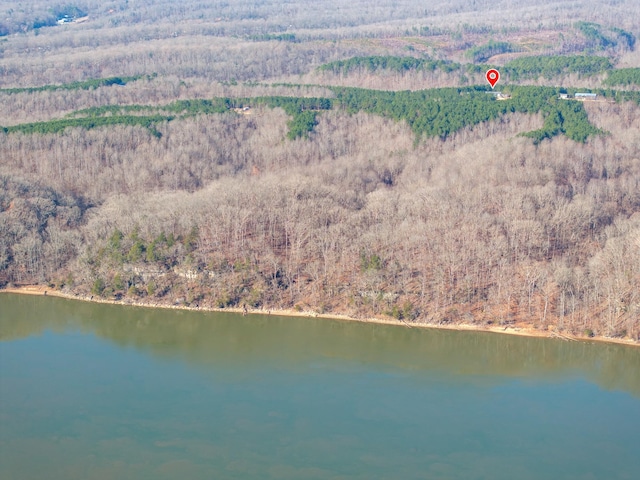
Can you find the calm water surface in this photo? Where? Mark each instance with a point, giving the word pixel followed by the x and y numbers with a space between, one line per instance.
pixel 102 392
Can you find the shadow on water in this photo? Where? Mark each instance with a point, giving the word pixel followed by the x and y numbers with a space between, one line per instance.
pixel 254 342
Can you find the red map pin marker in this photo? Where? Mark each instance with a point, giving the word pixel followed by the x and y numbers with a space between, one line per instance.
pixel 493 76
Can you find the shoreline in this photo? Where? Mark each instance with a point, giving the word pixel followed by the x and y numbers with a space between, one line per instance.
pixel 519 330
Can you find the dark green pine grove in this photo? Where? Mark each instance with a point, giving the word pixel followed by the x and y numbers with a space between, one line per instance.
pixel 429 113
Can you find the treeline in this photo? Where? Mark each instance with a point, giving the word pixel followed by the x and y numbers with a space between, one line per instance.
pixel 624 77
pixel 555 66
pixel 396 64
pixel 182 107
pixel 280 37
pixel 530 67
pixel 601 38
pixel 482 53
pixel 58 126
pixel 303 111
pixel 83 85
pixel 429 113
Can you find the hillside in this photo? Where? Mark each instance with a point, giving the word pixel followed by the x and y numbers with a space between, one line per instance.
pixel 348 161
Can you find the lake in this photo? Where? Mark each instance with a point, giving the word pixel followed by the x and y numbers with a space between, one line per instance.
pixel 94 391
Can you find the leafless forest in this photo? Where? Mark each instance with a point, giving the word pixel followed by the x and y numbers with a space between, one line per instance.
pixel 360 218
